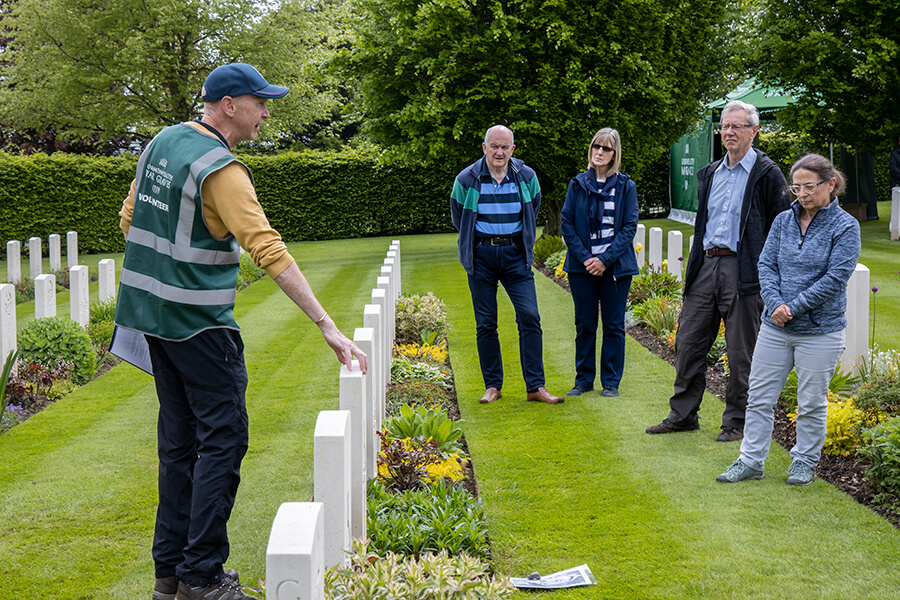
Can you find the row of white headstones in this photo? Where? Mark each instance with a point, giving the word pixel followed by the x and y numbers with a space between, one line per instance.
pixel 857 344
pixel 45 285
pixel 306 537
pixel 309 537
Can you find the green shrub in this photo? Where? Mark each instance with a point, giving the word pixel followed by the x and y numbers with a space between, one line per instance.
pixel 46 340
pixel 555 260
pixel 652 282
pixel 103 311
pixel 431 519
pixel 416 314
pixel 248 272
pixel 883 450
pixel 546 246
pixel 659 313
pixel 421 422
pixel 416 393
pixel 369 576
pixel 878 397
pixel 404 368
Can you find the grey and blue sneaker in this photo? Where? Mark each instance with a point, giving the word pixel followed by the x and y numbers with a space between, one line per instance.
pixel 738 471
pixel 800 474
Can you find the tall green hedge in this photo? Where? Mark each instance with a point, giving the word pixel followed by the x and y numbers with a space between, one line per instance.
pixel 307 196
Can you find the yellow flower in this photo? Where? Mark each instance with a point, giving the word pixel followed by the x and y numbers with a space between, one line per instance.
pixel 639 247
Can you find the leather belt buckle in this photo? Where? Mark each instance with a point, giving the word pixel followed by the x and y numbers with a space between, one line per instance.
pixel 499 241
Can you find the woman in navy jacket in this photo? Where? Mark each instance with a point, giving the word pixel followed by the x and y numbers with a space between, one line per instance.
pixel 599 220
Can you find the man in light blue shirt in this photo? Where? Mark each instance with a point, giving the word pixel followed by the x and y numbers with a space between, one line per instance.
pixel 739 197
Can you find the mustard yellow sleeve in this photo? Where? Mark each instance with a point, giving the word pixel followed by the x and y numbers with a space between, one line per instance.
pixel 230 205
pixel 127 211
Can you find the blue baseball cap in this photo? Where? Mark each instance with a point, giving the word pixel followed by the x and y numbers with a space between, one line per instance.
pixel 237 79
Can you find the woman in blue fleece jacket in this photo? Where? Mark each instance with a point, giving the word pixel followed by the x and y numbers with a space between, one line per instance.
pixel 809 255
pixel 598 222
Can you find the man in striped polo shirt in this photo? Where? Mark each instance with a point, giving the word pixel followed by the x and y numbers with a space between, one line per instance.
pixel 494 205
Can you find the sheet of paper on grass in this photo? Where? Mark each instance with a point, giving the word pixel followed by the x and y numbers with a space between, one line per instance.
pixel 131 346
pixel 573 577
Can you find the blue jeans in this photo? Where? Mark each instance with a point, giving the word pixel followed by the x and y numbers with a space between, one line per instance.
pixel 612 295
pixel 815 357
pixel 506 265
pixel 202 435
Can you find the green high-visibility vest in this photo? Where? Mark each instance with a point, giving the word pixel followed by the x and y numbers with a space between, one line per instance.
pixel 177 279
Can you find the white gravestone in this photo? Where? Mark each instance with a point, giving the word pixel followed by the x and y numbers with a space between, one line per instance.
pixel 14 261
pixel 107 282
pixel 72 249
pixel 894 225
pixel 44 296
pixel 352 394
pixel 675 251
pixel 55 258
pixel 79 296
pixel 295 556
pixel 395 248
pixel 654 250
pixel 364 337
pixel 384 283
pixel 379 298
pixel 856 347
pixel 35 257
pixel 7 321
pixel 639 245
pixel 331 481
pixel 372 319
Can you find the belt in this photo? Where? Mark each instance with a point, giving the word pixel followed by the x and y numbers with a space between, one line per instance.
pixel 718 252
pixel 499 241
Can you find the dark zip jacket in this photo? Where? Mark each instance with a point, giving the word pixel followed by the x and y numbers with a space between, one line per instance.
pixel 575 227
pixel 464 206
pixel 764 197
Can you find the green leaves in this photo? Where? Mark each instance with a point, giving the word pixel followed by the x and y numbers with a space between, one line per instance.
pixel 56 338
pixel 419 422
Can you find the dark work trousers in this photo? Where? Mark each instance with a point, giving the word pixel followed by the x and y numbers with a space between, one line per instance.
pixel 713 296
pixel 202 436
pixel 506 265
pixel 612 295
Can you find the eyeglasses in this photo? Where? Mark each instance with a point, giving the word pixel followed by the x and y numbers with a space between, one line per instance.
pixel 737 128
pixel 602 147
pixel 809 188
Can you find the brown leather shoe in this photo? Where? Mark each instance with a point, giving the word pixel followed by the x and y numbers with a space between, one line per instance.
pixel 668 426
pixel 542 395
pixel 490 395
pixel 730 434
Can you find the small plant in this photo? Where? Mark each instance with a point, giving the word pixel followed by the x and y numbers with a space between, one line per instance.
pixel 555 260
pixel 29 388
pixel 416 393
pixel 369 576
pixel 842 436
pixel 4 378
pixel 403 463
pixel 878 398
pixel 248 272
pixel 101 326
pixel 418 313
pixel 882 449
pixel 433 353
pixel 546 246
pixel 425 423
pixel 24 290
pixel 428 520
pixel 659 313
pixel 652 282
pixel 405 369
pixel 880 364
pixel 46 340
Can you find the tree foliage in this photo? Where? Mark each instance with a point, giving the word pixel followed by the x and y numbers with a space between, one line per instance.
pixel 99 69
pixel 841 59
pixel 435 74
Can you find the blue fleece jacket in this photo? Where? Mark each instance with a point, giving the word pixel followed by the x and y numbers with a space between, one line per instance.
pixel 576 229
pixel 809 272
pixel 464 207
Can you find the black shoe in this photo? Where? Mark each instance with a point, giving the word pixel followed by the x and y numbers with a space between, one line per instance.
pixel 609 391
pixel 578 390
pixel 730 434
pixel 669 427
pixel 224 589
pixel 167 587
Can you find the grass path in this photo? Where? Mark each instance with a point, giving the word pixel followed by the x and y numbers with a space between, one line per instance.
pixel 564 485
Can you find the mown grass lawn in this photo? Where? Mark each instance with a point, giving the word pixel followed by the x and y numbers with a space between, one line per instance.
pixel 562 485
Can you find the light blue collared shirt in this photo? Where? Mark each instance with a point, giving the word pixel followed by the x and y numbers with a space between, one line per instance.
pixel 726 196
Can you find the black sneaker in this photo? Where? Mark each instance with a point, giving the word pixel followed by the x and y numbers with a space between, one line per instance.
pixel 610 391
pixel 669 427
pixel 578 390
pixel 224 589
pixel 166 587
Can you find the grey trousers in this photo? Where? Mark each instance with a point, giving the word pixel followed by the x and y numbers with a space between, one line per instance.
pixel 713 298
